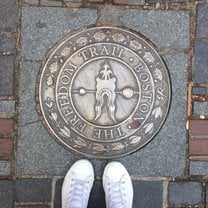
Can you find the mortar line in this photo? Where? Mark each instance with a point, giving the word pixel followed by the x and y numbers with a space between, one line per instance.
pixel 165 193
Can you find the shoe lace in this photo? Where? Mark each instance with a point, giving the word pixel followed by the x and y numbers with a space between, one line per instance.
pixel 77 195
pixel 117 194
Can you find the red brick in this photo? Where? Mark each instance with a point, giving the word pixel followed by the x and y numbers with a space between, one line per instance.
pixel 96 1
pixel 6 126
pixel 120 1
pixel 198 128
pixel 198 147
pixel 6 147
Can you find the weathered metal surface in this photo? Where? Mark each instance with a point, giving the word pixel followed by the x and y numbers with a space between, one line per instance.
pixel 104 92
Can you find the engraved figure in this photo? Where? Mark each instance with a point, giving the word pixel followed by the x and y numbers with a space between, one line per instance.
pixel 105 87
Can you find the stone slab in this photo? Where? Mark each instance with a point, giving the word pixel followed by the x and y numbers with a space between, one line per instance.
pixel 31 2
pixel 200 72
pixel 163 28
pixel 8 11
pixel 184 193
pixel 200 108
pixel 51 3
pixel 6 75
pixel 7 43
pixel 7 108
pixel 198 168
pixel 33 190
pixel 6 193
pixel 42 27
pixel 136 2
pixel 97 196
pixel 202 19
pixel 148 194
pixel 39 154
pixel 5 168
pixel 27 105
pixel 165 154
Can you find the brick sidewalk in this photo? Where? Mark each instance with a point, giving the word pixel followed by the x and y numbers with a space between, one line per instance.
pixel 171 171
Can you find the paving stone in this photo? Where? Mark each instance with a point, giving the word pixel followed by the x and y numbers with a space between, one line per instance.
pixel 42 27
pixel 97 196
pixel 31 2
pixel 35 145
pixel 198 168
pixel 6 193
pixel 33 190
pixel 8 11
pixel 136 2
pixel 184 193
pixel 6 75
pixel 200 72
pixel 5 168
pixel 198 128
pixel 6 147
pixel 50 3
pixel 202 21
pixel 109 14
pixel 57 197
pixel 200 108
pixel 6 126
pixel 163 28
pixel 148 194
pixel 27 105
pixel 7 43
pixel 7 108
pixel 171 140
pixel 199 90
pixel 198 147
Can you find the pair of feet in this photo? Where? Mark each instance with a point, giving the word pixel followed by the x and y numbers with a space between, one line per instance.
pixel 79 180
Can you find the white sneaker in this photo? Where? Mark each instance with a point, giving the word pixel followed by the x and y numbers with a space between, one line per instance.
pixel 77 185
pixel 118 186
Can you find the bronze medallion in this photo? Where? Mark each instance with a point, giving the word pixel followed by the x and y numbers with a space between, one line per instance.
pixel 104 92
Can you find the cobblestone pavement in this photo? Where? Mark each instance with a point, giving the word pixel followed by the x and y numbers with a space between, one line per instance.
pixel 171 171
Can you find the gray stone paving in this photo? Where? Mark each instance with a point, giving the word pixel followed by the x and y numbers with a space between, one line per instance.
pixel 33 190
pixel 27 106
pixel 202 19
pixel 5 168
pixel 201 62
pixel 199 168
pixel 8 11
pixel 148 194
pixel 6 193
pixel 6 75
pixel 188 193
pixel 165 154
pixel 163 28
pixel 7 108
pixel 7 43
pixel 43 27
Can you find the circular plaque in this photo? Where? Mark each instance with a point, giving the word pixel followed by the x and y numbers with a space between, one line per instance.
pixel 104 92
